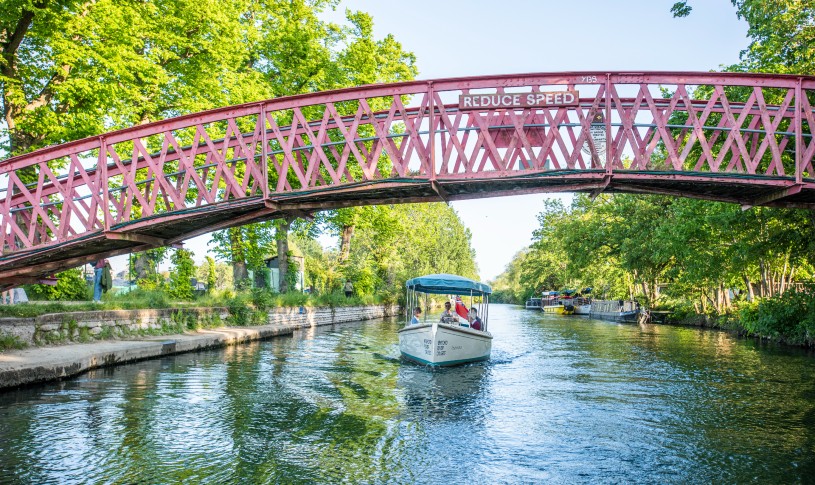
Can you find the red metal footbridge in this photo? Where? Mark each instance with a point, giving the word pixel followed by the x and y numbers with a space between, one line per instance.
pixel 735 137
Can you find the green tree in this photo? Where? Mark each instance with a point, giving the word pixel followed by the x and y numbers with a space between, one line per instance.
pixel 211 274
pixel 71 286
pixel 282 239
pixel 245 248
pixel 782 34
pixel 180 286
pixel 218 275
pixel 510 286
pixel 306 54
pixel 395 243
pixel 70 69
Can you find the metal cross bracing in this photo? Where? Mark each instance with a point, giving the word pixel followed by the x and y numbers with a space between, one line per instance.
pixel 736 137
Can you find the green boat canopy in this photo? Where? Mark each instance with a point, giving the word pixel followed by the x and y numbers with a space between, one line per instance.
pixel 447 284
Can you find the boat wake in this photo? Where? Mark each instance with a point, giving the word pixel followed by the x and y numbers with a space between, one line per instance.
pixel 503 358
pixel 389 358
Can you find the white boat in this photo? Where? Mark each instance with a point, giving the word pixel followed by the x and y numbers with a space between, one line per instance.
pixel 446 343
pixel 584 309
pixel 582 305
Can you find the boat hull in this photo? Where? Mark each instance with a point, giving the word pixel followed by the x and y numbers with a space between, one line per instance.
pixel 582 309
pixel 558 310
pixel 441 344
pixel 623 317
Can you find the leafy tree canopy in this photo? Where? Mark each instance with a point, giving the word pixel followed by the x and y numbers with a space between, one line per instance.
pixel 71 68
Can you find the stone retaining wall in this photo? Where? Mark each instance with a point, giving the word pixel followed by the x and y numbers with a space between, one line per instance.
pixel 327 315
pixel 65 328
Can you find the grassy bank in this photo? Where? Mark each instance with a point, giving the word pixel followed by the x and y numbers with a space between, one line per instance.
pixel 788 318
pixel 245 309
pixel 254 300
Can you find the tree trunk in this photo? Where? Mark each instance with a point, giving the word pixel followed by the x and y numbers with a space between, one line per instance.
pixel 720 299
pixel 239 271
pixel 141 265
pixel 345 243
pixel 751 295
pixel 710 293
pixel 282 238
pixel 782 285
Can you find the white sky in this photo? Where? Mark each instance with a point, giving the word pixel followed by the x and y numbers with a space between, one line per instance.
pixel 478 37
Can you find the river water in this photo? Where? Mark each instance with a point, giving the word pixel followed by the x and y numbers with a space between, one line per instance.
pixel 563 400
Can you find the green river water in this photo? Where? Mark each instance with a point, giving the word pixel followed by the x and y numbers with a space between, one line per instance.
pixel 562 400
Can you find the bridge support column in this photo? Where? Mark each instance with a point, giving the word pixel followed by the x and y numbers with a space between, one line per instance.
pixel 432 130
pixel 799 136
pixel 102 166
pixel 607 96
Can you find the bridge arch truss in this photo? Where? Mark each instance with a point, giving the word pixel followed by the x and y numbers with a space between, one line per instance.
pixel 734 137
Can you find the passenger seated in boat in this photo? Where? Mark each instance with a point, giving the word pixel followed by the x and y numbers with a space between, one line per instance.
pixel 417 312
pixel 447 314
pixel 475 322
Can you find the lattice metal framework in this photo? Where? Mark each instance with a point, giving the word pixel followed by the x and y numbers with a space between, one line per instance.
pixel 744 138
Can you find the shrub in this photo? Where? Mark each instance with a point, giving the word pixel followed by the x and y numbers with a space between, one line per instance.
pixel 335 299
pixel 789 317
pixel 293 299
pixel 242 310
pixel 138 298
pixel 210 275
pixel 71 286
pixel 263 299
pixel 84 335
pixel 180 286
pixel 27 310
pixel 8 342
pixel 154 282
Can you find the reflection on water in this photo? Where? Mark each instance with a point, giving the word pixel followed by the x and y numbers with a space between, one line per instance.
pixel 444 393
pixel 562 399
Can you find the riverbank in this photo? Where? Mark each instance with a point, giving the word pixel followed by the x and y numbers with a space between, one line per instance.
pixel 52 362
pixel 733 325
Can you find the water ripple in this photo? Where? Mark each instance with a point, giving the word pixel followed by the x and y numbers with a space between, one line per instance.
pixel 561 401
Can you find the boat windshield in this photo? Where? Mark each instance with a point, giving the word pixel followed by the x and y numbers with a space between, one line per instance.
pixel 453 286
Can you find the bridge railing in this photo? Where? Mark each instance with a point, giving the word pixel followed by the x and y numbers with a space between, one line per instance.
pixel 732 124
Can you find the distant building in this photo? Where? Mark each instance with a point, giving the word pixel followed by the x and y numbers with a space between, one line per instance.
pixel 273 274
